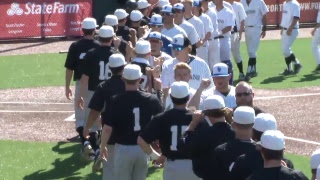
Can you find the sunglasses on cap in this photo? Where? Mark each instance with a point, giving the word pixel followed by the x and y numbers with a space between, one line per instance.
pixel 177 48
pixel 154 40
pixel 166 14
pixel 243 94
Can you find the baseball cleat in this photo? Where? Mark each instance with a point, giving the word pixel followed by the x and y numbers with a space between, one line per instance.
pixel 317 70
pixel 253 74
pixel 96 167
pixel 297 68
pixel 247 77
pixel 87 151
pixel 241 77
pixel 286 72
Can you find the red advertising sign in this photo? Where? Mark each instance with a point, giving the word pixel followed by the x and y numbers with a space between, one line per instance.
pixel 40 18
pixel 308 11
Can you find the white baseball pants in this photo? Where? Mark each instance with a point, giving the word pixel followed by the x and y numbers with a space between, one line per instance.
pixel 202 52
pixel 179 169
pixel 252 35
pixel 79 113
pixel 315 45
pixel 235 47
pixel 108 166
pixel 97 125
pixel 130 163
pixel 225 49
pixel 287 41
pixel 214 53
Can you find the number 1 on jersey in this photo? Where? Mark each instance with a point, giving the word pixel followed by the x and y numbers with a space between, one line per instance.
pixel 174 136
pixel 136 112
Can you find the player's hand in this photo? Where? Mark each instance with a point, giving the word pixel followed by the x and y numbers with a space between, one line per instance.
pixel 116 42
pixel 68 93
pixel 197 116
pixel 157 84
pixel 289 31
pixel 284 164
pixel 80 103
pixel 158 61
pixel 229 115
pixel 161 160
pixel 142 30
pixel 156 71
pixel 129 48
pixel 104 153
pixel 132 32
pixel 85 133
pixel 205 83
pixel 263 34
pixel 313 31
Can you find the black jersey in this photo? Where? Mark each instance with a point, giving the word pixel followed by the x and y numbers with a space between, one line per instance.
pixel 123 32
pixel 202 144
pixel 102 96
pixel 76 54
pixel 248 163
pixel 168 128
pixel 281 173
pixel 96 66
pixel 226 154
pixel 143 63
pixel 129 113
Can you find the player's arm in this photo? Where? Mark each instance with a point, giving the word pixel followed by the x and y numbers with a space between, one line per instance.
pixel 83 87
pixel 195 100
pixel 106 133
pixel 70 65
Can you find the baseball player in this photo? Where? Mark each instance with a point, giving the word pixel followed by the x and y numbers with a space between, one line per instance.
pixel 236 35
pixel 226 154
pixel 246 164
pixel 128 115
pixel 214 43
pixel 156 45
pixel 95 71
pixel 289 32
pixel 272 150
pixel 168 128
pixel 143 7
pixel 225 24
pixel 185 25
pixel 256 11
pixel 314 163
pixel 203 140
pixel 170 29
pixel 123 30
pixel 74 61
pixel 316 42
pixel 101 100
pixel 199 67
pixel 208 29
pixel 137 22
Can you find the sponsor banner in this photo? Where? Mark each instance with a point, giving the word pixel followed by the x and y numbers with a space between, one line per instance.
pixel 308 11
pixel 40 18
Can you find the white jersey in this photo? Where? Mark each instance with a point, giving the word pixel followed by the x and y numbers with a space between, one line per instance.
pixel 290 10
pixel 225 19
pixel 318 18
pixel 164 55
pixel 191 31
pixel 230 99
pixel 175 30
pixel 239 13
pixel 207 25
pixel 199 71
pixel 198 24
pixel 212 13
pixel 255 11
pixel 169 104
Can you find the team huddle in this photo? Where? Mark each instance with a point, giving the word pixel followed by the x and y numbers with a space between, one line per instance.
pixel 158 87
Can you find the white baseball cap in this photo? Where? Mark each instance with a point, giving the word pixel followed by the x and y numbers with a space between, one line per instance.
pixel 179 89
pixel 273 140
pixel 213 102
pixel 155 35
pixel 111 20
pixel 315 159
pixel 143 4
pixel 244 115
pixel 178 41
pixel 162 3
pixel 318 172
pixel 167 9
pixel 106 31
pixel 117 60
pixel 264 122
pixel 132 72
pixel 120 13
pixel 179 6
pixel 156 19
pixel 220 70
pixel 136 15
pixel 89 23
pixel 143 47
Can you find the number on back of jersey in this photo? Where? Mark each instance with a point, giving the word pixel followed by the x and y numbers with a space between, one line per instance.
pixel 105 72
pixel 175 136
pixel 143 82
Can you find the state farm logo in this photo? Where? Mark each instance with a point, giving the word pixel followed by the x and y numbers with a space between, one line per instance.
pixel 15 10
pixel 44 8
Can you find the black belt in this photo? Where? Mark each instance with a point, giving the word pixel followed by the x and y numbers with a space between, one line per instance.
pixel 249 26
pixel 173 159
pixel 219 37
pixel 287 28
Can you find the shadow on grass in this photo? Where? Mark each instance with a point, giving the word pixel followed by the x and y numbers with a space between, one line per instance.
pixel 309 77
pixel 275 79
pixel 66 168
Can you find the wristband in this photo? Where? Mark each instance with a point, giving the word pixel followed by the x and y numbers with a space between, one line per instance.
pixel 154 155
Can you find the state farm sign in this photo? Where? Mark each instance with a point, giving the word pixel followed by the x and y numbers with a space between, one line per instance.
pixel 42 17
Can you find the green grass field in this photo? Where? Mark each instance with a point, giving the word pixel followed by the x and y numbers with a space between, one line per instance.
pixel 35 160
pixel 48 69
